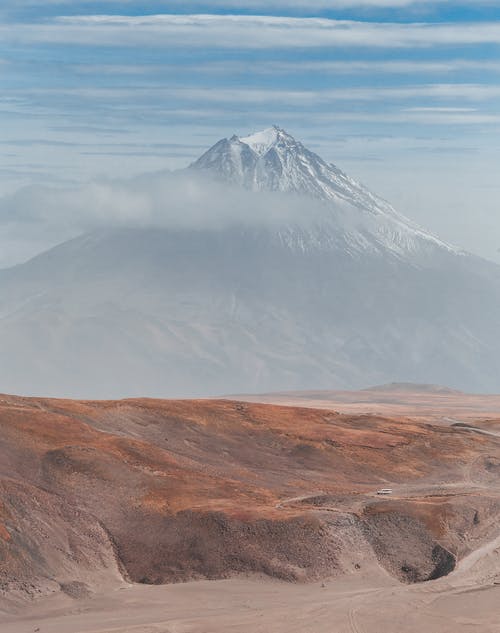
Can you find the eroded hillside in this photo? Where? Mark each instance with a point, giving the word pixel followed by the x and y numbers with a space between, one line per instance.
pixel 166 491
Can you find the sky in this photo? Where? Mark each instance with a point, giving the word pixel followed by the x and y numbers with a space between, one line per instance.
pixel 403 95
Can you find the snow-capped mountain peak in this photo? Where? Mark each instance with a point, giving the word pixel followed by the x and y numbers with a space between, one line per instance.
pixel 269 160
pixel 261 142
pixel 273 160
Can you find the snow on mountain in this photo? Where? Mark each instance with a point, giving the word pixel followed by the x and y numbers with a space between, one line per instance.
pixel 350 294
pixel 261 142
pixel 354 219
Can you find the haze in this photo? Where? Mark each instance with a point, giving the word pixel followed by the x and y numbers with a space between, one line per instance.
pixel 403 95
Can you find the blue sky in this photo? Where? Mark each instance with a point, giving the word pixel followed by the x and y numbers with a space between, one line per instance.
pixel 403 95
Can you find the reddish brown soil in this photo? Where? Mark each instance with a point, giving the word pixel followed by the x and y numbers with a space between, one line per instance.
pixel 162 491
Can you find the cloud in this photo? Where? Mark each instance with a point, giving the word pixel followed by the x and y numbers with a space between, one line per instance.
pixel 295 67
pixel 397 66
pixel 336 4
pixel 38 217
pixel 471 92
pixel 422 116
pixel 269 5
pixel 146 93
pixel 438 109
pixel 250 32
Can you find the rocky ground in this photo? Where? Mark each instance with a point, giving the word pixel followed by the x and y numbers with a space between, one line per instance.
pixel 99 501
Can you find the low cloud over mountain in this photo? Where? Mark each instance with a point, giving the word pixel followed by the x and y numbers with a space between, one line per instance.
pixel 260 267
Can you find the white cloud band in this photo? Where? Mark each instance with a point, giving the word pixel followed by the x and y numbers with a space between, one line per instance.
pixel 248 32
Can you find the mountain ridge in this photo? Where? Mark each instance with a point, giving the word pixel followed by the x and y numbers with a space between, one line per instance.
pixel 260 307
pixel 273 160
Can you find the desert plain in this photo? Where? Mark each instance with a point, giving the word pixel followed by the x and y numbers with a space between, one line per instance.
pixel 252 514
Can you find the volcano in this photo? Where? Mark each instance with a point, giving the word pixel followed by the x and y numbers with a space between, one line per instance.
pixel 345 293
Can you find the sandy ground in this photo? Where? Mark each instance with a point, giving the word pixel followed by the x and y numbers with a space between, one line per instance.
pixel 426 404
pixel 374 604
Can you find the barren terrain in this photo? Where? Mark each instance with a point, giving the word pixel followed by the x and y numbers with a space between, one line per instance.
pixel 104 504
pixel 418 402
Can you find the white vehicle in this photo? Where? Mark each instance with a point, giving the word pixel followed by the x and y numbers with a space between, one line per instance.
pixel 384 491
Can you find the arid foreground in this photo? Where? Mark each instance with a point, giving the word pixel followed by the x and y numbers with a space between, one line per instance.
pixel 104 503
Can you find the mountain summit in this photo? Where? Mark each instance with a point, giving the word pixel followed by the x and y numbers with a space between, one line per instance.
pixel 355 219
pixel 335 290
pixel 272 160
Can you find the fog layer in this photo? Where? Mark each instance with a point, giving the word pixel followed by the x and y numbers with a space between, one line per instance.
pixel 36 218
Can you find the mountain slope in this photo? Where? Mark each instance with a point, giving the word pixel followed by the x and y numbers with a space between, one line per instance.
pixel 348 295
pixel 272 160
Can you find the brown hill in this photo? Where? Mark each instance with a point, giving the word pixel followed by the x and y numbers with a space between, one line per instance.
pixel 164 491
